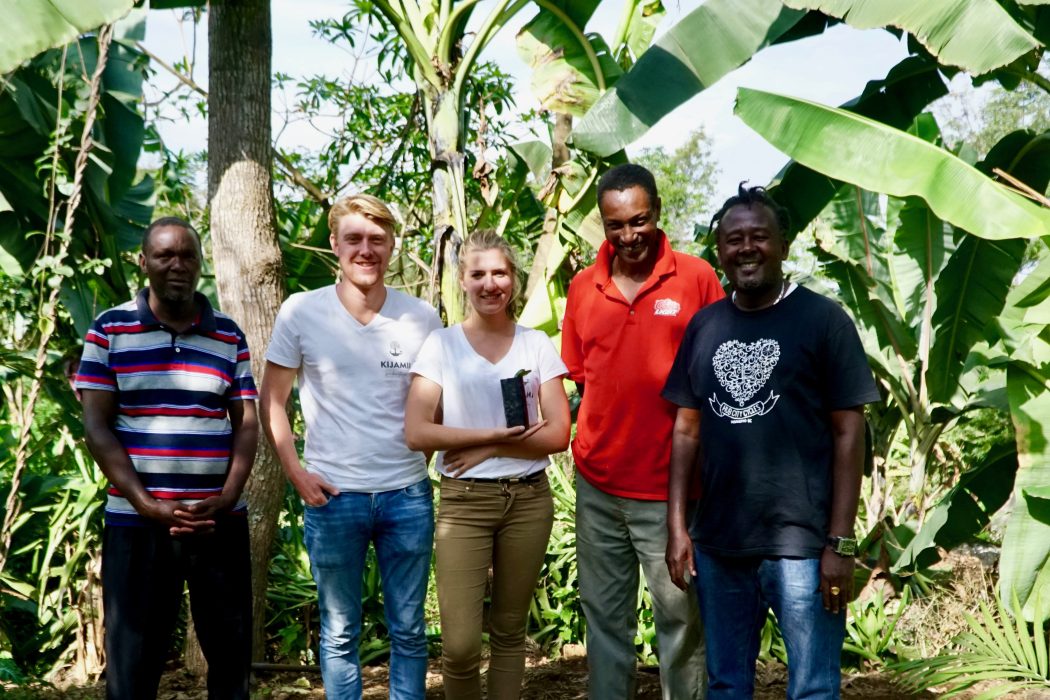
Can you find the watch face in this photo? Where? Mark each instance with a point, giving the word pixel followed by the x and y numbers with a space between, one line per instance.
pixel 846 546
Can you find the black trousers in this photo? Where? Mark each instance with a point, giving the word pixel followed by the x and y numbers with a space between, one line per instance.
pixel 143 572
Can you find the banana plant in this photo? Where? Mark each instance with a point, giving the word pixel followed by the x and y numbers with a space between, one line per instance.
pixel 981 316
pixel 434 36
pixel 33 26
pixel 38 114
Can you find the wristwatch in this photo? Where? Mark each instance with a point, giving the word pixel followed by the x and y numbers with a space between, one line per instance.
pixel 843 546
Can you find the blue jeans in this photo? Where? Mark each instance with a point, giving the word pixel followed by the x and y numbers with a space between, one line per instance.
pixel 400 524
pixel 734 596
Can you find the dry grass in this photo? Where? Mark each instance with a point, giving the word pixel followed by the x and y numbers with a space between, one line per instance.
pixel 930 624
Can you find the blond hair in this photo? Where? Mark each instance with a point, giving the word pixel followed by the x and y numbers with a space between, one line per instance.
pixel 489 239
pixel 372 208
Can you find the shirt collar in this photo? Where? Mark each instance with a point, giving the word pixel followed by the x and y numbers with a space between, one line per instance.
pixel 204 323
pixel 665 263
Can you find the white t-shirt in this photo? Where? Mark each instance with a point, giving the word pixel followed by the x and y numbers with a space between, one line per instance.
pixel 470 387
pixel 353 382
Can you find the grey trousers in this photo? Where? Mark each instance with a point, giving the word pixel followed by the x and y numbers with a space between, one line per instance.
pixel 613 537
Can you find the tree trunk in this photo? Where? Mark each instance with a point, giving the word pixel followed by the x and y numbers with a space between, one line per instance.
pixel 248 266
pixel 559 156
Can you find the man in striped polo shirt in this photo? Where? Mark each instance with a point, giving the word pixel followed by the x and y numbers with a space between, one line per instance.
pixel 169 415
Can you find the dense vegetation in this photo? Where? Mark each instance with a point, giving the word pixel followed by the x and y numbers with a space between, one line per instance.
pixel 936 245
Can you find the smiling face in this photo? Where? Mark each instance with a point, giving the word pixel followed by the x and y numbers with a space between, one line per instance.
pixel 171 259
pixel 631 221
pixel 488 281
pixel 751 250
pixel 363 248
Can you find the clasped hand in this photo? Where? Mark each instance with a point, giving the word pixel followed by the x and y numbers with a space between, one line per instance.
pixel 196 519
pixel 462 459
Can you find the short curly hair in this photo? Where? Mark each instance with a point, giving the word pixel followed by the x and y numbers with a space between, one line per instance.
pixel 748 197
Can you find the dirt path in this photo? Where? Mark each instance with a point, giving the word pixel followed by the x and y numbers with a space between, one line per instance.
pixel 545 679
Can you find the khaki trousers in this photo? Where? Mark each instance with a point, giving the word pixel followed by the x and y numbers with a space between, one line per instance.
pixel 482 525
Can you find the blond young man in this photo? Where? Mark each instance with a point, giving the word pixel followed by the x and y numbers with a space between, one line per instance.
pixel 351 346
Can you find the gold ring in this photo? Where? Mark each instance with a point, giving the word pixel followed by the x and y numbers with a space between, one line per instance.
pixel 835 590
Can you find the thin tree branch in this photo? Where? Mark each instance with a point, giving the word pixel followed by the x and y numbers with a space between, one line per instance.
pixel 290 170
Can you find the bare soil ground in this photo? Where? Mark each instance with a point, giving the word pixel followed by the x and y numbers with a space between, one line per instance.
pixel 545 679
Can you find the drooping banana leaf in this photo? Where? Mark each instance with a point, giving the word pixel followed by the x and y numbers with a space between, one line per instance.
pixel 895 100
pixel 852 252
pixel 922 245
pixel 877 157
pixel 569 69
pixel 1024 566
pixel 971 292
pixel 976 35
pixel 716 38
pixel 32 26
pixel 965 510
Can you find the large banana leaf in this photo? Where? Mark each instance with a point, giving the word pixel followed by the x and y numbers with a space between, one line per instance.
pixel 564 78
pixel 32 26
pixel 976 35
pixel 965 510
pixel 851 249
pixel 895 100
pixel 114 207
pixel 703 47
pixel 1024 566
pixel 876 157
pixel 971 292
pixel 922 245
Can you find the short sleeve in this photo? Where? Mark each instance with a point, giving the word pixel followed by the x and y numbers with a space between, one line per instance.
pixel 243 386
pixel 429 361
pixel 848 379
pixel 94 371
pixel 285 347
pixel 678 389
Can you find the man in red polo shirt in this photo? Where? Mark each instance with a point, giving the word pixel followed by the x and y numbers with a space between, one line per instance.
pixel 625 318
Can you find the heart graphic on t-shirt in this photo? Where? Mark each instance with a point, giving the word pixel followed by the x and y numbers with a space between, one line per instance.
pixel 742 368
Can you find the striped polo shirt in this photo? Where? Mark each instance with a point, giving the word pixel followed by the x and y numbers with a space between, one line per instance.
pixel 173 390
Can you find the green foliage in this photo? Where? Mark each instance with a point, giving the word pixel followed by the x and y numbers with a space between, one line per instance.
pixel 880 158
pixel 999 649
pixel 32 26
pixel 555 613
pixel 685 179
pixel 977 35
pixel 710 42
pixel 871 637
pixel 982 118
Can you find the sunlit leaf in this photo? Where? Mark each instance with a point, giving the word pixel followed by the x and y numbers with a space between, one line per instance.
pixel 976 35
pixel 32 26
pixel 880 158
pixel 711 41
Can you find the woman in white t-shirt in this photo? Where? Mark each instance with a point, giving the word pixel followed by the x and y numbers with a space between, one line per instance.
pixel 496 509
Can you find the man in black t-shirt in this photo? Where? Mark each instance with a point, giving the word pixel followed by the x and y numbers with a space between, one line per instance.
pixel 770 385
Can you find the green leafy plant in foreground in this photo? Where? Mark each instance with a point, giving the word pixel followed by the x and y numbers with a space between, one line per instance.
pixel 999 646
pixel 871 627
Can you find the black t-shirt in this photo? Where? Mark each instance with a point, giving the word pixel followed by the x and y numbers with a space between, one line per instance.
pixel 766 382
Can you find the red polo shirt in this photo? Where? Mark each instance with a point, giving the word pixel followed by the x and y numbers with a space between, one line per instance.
pixel 622 354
